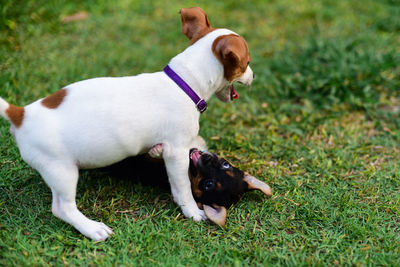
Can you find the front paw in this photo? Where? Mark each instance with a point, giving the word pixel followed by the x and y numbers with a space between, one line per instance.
pixel 156 151
pixel 96 231
pixel 195 213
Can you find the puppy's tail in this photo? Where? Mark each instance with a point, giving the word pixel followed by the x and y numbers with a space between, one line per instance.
pixel 11 113
pixel 3 107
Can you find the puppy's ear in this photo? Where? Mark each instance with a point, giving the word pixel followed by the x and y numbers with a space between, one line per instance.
pixel 216 214
pixel 255 184
pixel 233 53
pixel 195 23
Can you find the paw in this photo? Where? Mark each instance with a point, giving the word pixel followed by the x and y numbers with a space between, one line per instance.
pixel 96 231
pixel 195 213
pixel 156 151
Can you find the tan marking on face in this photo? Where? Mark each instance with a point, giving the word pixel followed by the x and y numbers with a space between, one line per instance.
pixel 194 182
pixel 200 205
pixel 230 173
pixel 219 186
pixel 233 53
pixel 54 100
pixel 195 23
pixel 16 115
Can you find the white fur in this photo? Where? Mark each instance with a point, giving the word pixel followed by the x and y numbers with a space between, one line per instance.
pixel 247 77
pixel 104 120
pixel 157 150
pixel 3 107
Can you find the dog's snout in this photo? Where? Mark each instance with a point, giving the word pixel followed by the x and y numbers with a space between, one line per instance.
pixel 206 157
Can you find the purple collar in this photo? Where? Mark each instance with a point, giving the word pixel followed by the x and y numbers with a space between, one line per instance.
pixel 200 103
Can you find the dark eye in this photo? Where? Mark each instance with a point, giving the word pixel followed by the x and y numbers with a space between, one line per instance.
pixel 209 185
pixel 226 165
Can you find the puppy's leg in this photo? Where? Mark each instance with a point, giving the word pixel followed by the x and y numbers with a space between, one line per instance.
pixel 177 164
pixel 156 151
pixel 55 204
pixel 199 143
pixel 62 179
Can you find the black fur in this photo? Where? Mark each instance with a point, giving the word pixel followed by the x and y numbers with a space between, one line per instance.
pixel 214 182
pixel 221 183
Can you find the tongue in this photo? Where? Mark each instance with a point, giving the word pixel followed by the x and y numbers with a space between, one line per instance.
pixel 195 155
pixel 234 94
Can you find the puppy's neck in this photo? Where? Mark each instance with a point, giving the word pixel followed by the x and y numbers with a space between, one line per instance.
pixel 199 68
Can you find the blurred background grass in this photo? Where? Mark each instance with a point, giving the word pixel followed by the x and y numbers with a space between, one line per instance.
pixel 320 124
pixel 324 51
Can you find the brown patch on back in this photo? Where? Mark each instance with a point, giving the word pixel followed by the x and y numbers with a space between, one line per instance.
pixel 16 115
pixel 195 23
pixel 54 100
pixel 233 53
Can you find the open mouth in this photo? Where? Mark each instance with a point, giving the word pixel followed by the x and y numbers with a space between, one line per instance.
pixel 234 94
pixel 195 156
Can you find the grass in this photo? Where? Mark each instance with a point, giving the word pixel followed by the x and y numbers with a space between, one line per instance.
pixel 320 125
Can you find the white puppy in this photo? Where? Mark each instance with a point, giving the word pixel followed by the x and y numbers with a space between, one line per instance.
pixel 97 122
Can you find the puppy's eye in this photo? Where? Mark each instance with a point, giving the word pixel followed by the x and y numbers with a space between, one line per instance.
pixel 209 185
pixel 226 165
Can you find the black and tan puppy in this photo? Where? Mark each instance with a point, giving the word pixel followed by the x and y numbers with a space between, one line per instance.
pixel 216 183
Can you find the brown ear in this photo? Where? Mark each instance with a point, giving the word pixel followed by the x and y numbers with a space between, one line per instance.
pixel 216 214
pixel 255 184
pixel 195 23
pixel 233 53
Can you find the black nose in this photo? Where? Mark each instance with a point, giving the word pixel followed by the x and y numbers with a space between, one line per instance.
pixel 206 157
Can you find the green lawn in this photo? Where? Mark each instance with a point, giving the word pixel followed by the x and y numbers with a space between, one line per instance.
pixel 320 124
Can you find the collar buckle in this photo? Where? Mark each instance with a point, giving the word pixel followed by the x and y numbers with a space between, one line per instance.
pixel 201 105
